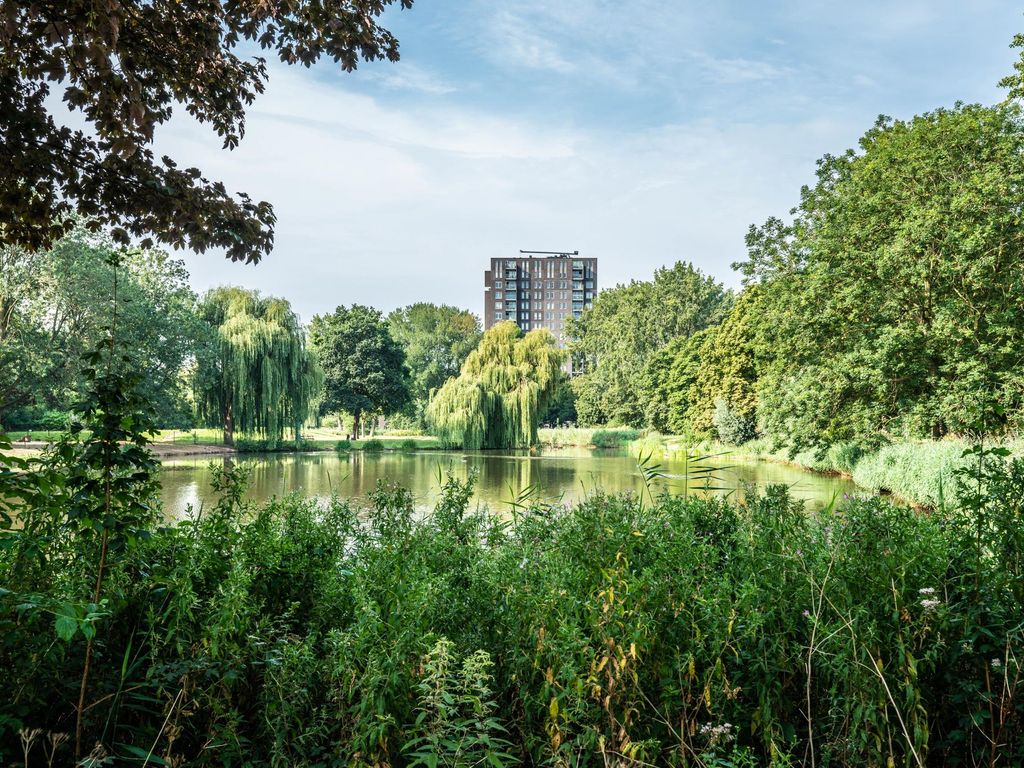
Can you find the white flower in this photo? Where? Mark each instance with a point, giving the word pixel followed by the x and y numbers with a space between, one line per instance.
pixel 930 605
pixel 717 733
pixel 926 591
pixel 996 664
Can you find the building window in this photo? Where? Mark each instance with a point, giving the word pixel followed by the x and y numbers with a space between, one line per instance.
pixel 497 283
pixel 498 315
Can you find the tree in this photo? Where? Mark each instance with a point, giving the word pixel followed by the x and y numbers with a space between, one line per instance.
pixel 364 367
pixel 503 387
pixel 725 381
pixel 256 375
pixel 436 340
pixel 891 304
pixel 628 324
pixel 56 304
pixel 123 65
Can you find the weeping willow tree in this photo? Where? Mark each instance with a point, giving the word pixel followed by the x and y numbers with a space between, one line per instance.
pixel 255 376
pixel 503 387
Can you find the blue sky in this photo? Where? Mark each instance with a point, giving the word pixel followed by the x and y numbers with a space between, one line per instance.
pixel 640 132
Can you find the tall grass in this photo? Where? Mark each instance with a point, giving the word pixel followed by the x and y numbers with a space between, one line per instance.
pixel 620 631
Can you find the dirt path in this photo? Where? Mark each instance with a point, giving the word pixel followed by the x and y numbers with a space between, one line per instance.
pixel 160 450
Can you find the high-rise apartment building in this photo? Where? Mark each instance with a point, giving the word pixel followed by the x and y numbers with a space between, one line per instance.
pixel 539 289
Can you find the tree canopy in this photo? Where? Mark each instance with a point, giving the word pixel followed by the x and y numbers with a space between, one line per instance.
pixel 256 377
pixel 364 367
pixel 56 304
pixel 503 387
pixel 891 303
pixel 436 340
pixel 614 340
pixel 124 65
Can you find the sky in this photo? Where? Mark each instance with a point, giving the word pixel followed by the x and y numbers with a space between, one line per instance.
pixel 641 133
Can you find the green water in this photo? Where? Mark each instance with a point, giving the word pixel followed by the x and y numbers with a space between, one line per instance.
pixel 566 474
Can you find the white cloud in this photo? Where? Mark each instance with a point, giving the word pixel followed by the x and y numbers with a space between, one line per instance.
pixel 516 43
pixel 387 205
pixel 409 77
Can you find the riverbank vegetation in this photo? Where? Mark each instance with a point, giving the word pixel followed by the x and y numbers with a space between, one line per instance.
pixel 231 361
pixel 634 630
pixel 884 314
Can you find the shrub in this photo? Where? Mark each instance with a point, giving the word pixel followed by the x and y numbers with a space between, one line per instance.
pixel 730 426
pixel 408 445
pixel 322 633
pixel 614 437
pixel 373 446
pixel 254 445
pixel 343 445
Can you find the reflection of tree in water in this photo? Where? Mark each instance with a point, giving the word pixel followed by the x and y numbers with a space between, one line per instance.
pixel 502 477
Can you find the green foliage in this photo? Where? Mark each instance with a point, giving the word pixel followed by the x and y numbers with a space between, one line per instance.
pixel 922 472
pixel 731 427
pixel 891 304
pixel 343 445
pixel 504 385
pixel 615 341
pixel 373 446
pixel 125 67
pixel 456 724
pixel 436 340
pixel 561 409
pixel 364 367
pixel 249 445
pixel 55 303
pixel 320 634
pixel 255 375
pixel 614 438
pixel 408 445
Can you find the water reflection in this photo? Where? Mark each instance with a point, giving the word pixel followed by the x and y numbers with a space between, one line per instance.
pixel 563 474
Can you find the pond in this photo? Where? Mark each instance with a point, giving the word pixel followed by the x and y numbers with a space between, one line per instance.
pixel 564 474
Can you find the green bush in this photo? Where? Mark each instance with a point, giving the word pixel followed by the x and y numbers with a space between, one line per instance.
pixel 615 437
pixel 343 445
pixel 254 445
pixel 730 426
pixel 673 631
pixel 408 445
pixel 373 446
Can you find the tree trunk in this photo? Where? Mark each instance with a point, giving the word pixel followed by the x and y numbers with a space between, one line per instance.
pixel 229 425
pixel 355 425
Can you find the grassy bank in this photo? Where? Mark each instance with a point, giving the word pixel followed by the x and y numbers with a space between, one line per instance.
pixel 669 632
pixel 918 472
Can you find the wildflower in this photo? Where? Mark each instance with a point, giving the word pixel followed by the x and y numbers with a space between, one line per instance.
pixel 926 591
pixel 807 613
pixel 717 733
pixel 996 664
pixel 930 604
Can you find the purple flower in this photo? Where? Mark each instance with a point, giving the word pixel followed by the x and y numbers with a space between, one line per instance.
pixel 807 614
